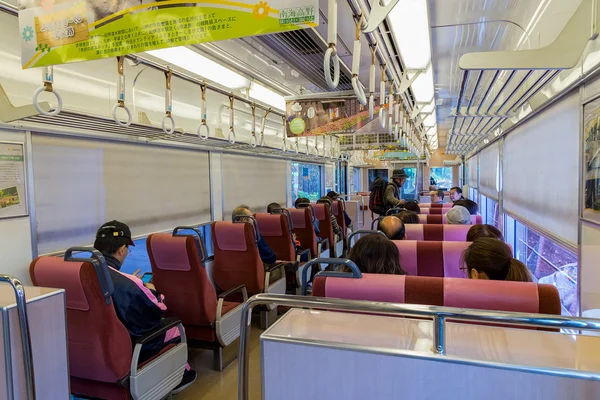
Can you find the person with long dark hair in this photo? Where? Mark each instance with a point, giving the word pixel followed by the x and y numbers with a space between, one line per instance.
pixel 375 254
pixel 489 258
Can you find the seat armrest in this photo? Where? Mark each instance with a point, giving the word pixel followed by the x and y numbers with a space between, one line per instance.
pixel 275 266
pixel 165 325
pixel 324 245
pixel 240 289
pixel 303 252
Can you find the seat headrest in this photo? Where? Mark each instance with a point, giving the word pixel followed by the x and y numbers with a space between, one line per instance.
pixel 320 212
pixel 422 218
pixel 170 253
pixel 375 287
pixel 231 236
pixel 335 208
pixel 414 231
pixel 408 256
pixel 456 233
pixel 50 271
pixel 491 295
pixel 299 216
pixel 270 224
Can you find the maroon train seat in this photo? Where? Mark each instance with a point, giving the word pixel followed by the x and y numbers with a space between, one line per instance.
pixel 441 219
pixel 102 361
pixel 437 232
pixel 323 215
pixel 179 273
pixel 451 292
pixel 303 228
pixel 437 259
pixel 275 229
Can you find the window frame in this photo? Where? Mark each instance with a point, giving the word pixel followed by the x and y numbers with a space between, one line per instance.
pixel 321 179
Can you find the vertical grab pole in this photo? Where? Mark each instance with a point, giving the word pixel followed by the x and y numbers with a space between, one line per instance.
pixel 25 337
pixel 243 353
pixel 439 335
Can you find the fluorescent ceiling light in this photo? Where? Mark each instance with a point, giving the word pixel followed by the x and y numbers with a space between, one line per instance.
pixel 429 108
pixel 202 66
pixel 410 26
pixel 261 93
pixel 422 87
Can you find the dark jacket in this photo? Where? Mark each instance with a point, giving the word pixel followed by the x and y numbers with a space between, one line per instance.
pixel 140 309
pixel 391 197
pixel 347 219
pixel 266 254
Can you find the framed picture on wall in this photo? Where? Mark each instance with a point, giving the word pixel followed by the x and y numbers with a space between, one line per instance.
pixel 12 180
pixel 591 166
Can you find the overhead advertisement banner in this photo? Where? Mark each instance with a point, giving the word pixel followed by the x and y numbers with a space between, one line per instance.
pixel 326 114
pixel 64 31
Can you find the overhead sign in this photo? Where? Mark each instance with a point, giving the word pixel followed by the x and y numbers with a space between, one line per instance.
pixel 65 31
pixel 326 114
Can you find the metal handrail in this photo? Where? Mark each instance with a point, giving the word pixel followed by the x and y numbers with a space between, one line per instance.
pixel 437 313
pixel 363 232
pixel 25 337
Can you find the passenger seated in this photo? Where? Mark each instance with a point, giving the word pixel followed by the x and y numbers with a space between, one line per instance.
pixel 437 197
pixel 456 194
pixel 138 305
pixel 337 230
pixel 273 206
pixel 335 196
pixel 374 254
pixel 304 200
pixel 393 227
pixel 458 215
pixel 413 206
pixel 483 230
pixel 408 217
pixel 489 258
pixel 468 204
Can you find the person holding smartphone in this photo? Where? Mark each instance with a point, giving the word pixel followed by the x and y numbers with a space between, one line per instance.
pixel 137 304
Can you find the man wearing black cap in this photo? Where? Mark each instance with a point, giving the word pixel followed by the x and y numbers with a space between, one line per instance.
pixel 335 196
pixel 139 308
pixel 391 198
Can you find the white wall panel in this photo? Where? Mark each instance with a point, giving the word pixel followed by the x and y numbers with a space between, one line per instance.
pixel 489 178
pixel 80 184
pixel 540 169
pixel 254 181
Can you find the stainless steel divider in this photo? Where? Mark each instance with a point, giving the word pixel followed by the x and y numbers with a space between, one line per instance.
pixel 438 314
pixel 25 338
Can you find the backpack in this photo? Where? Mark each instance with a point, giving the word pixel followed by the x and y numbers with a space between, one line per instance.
pixel 376 201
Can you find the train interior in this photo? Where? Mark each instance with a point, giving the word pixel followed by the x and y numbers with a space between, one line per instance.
pixel 193 158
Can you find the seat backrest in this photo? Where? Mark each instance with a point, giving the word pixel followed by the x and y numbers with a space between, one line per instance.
pixel 337 208
pixel 441 219
pixel 275 229
pixel 323 215
pixel 236 259
pixel 179 274
pixel 526 297
pixel 99 344
pixel 475 219
pixel 304 229
pixel 439 205
pixel 431 258
pixel 437 232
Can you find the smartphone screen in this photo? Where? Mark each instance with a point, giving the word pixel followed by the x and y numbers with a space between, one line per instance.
pixel 147 277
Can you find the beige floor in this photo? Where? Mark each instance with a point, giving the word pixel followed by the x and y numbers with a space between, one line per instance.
pixel 212 385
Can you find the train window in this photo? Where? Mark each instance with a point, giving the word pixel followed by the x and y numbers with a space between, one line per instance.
pixel 409 187
pixel 491 212
pixel 356 179
pixel 306 181
pixel 137 258
pixel 473 195
pixel 442 177
pixel 548 262
pixel 377 173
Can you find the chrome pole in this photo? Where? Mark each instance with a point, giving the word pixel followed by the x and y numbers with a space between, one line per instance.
pixel 25 337
pixel 439 335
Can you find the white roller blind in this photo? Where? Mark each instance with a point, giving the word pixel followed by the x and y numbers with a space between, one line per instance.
pixel 489 178
pixel 472 165
pixel 80 184
pixel 254 181
pixel 540 169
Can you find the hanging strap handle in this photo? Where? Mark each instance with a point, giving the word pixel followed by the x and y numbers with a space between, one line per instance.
pixel 331 49
pixel 121 95
pixel 253 140
pixel 231 135
pixel 382 97
pixel 358 89
pixel 284 141
pixel 203 125
pixel 263 125
pixel 48 81
pixel 372 83
pixel 168 103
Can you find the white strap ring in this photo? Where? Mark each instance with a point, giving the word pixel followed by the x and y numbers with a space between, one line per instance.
pixel 164 125
pixel 39 109
pixel 206 129
pixel 117 120
pixel 359 91
pixel 329 54
pixel 253 141
pixel 231 135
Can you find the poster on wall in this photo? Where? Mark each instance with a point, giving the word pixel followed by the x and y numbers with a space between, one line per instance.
pixel 591 173
pixel 335 113
pixel 64 31
pixel 12 180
